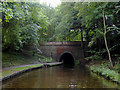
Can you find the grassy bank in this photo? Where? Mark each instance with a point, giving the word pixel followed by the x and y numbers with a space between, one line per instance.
pixel 18 62
pixel 104 69
pixel 7 72
pixel 22 58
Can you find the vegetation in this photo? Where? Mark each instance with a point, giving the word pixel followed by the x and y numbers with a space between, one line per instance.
pixel 98 24
pixel 29 23
pixel 13 59
pixel 44 59
pixel 103 70
pixel 17 59
pixel 18 69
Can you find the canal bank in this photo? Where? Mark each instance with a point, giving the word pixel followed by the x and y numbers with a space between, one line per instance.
pixel 59 77
pixel 103 69
pixel 17 70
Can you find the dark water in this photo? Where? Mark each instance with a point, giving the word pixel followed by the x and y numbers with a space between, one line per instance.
pixel 59 77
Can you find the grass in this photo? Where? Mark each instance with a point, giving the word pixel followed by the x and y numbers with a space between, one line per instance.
pixel 14 70
pixel 14 59
pixel 27 67
pixel 17 59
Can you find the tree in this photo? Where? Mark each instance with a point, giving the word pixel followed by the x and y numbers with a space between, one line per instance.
pixel 23 24
pixel 106 39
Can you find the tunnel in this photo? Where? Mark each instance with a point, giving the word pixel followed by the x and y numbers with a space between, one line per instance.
pixel 67 58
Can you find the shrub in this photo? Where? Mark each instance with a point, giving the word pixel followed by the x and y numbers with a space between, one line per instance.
pixel 94 57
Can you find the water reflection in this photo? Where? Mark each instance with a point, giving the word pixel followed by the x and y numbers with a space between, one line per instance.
pixel 59 77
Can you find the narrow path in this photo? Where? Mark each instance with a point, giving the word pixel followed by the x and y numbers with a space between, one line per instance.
pixel 8 68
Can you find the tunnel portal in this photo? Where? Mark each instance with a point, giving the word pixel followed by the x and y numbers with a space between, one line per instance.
pixel 57 50
pixel 67 58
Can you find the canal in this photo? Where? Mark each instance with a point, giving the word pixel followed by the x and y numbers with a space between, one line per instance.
pixel 59 77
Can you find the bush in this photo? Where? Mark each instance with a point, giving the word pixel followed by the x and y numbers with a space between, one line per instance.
pixel 94 57
pixel 117 67
pixel 106 72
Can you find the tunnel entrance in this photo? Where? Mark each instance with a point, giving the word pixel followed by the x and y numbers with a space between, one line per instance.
pixel 67 59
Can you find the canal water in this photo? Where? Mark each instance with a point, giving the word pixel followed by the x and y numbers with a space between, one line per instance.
pixel 59 77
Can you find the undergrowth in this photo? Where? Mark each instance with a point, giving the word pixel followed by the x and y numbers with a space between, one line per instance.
pixel 44 59
pixel 16 59
pixel 102 67
pixel 106 72
pixel 10 59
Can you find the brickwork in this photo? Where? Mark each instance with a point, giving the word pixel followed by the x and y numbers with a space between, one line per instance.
pixel 56 49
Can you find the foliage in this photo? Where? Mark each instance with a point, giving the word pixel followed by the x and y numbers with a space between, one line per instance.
pixel 28 23
pixel 23 24
pixel 44 59
pixel 17 59
pixel 117 67
pixel 94 57
pixel 14 59
pixel 34 22
pixel 92 21
pixel 106 72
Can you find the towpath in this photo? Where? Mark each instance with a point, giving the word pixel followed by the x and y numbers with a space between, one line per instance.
pixel 15 70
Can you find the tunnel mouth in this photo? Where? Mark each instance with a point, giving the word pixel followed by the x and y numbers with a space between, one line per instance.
pixel 67 58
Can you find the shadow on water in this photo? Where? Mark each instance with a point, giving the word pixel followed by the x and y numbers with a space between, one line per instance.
pixel 67 66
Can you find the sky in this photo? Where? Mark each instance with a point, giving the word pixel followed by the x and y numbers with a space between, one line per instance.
pixel 52 3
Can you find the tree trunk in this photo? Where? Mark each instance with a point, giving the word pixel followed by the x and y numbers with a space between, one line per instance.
pixel 106 39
